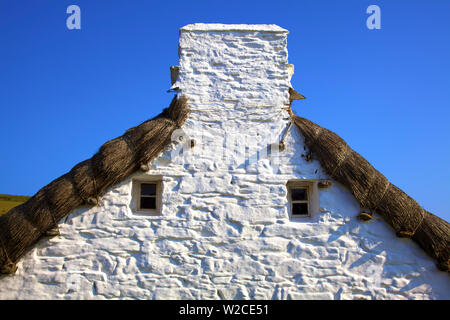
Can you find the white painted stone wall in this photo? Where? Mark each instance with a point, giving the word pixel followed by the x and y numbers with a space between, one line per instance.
pixel 225 230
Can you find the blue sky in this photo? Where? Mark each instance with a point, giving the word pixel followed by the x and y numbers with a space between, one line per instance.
pixel 63 93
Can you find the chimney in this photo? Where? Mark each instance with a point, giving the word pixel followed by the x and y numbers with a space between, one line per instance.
pixel 233 66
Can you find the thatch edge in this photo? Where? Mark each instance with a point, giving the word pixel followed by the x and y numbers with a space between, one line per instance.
pixel 376 193
pixel 23 226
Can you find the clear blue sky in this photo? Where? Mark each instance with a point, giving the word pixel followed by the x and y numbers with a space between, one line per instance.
pixel 63 93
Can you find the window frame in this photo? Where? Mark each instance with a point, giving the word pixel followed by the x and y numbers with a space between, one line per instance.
pixel 137 195
pixel 311 195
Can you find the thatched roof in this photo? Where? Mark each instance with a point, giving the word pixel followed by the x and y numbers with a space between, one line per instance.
pixel 375 193
pixel 23 226
pixel 117 159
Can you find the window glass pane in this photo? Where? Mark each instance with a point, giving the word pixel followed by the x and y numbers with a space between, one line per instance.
pixel 148 189
pixel 299 194
pixel 148 203
pixel 299 209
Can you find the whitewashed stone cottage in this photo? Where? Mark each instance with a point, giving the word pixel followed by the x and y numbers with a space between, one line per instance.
pixel 226 194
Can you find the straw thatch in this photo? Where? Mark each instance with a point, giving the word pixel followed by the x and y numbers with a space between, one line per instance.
pixel 24 225
pixel 375 193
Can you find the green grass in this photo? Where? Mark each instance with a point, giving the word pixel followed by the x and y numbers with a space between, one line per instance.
pixel 7 202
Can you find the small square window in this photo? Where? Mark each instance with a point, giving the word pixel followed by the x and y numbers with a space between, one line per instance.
pixel 299 201
pixel 146 197
pixel 303 198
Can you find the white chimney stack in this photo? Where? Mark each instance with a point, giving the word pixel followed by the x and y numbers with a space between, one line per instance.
pixel 245 65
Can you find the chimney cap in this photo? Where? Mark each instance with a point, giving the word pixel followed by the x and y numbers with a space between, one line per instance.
pixel 218 27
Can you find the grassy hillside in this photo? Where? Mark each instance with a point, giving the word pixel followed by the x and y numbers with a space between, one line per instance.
pixel 7 202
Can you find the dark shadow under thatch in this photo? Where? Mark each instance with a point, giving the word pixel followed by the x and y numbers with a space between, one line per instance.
pixel 375 193
pixel 117 159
